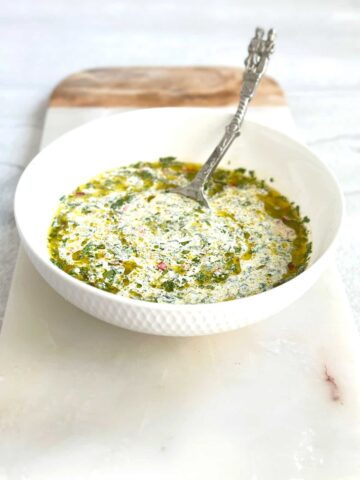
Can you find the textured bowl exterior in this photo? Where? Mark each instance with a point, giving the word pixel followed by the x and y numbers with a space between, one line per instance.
pixel 170 319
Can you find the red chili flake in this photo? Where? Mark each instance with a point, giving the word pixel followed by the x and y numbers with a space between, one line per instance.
pixel 162 266
pixel 80 193
pixel 291 266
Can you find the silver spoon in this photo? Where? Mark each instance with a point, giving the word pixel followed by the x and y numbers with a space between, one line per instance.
pixel 260 49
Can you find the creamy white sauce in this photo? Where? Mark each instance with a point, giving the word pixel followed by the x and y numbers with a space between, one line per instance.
pixel 163 247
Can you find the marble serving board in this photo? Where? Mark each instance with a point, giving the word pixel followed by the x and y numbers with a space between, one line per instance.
pixel 81 399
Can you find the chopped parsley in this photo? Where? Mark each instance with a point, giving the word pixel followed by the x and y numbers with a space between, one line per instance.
pixel 123 233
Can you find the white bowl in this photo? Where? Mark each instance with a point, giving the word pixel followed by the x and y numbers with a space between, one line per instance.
pixel 189 134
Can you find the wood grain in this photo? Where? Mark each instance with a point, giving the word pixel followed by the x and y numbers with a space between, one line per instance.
pixel 160 87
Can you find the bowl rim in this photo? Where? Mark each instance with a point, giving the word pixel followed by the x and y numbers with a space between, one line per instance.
pixel 144 304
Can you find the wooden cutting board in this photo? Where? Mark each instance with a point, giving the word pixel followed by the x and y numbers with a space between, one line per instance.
pixel 81 399
pixel 139 87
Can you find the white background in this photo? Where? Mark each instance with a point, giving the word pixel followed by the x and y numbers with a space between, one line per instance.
pixel 317 62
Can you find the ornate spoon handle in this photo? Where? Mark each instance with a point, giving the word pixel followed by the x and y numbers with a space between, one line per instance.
pixel 259 49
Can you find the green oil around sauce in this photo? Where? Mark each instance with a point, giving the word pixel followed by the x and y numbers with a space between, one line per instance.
pixel 190 274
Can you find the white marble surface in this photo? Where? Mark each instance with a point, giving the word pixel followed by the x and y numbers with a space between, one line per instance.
pixel 82 399
pixel 42 41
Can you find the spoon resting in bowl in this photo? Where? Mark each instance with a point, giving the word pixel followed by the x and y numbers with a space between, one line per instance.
pixel 260 49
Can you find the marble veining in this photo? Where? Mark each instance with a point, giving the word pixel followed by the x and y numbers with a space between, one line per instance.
pixel 335 393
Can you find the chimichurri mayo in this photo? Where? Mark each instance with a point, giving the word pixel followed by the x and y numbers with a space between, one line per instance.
pixel 123 233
